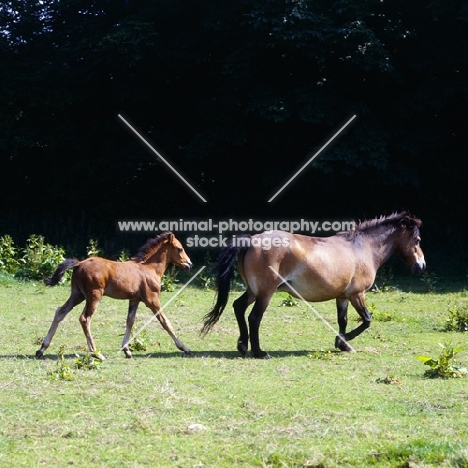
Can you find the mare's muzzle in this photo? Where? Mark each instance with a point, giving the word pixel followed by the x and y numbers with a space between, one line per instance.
pixel 419 267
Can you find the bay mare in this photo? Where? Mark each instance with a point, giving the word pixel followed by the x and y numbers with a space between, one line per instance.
pixel 341 267
pixel 137 280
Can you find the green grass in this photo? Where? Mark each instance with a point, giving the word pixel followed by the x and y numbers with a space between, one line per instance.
pixel 309 406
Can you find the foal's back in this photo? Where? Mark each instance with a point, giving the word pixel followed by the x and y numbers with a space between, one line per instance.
pixel 119 280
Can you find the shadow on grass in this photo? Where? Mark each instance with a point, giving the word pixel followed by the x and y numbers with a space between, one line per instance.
pixel 229 355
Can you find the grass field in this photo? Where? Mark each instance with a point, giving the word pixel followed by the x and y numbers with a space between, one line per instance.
pixel 309 406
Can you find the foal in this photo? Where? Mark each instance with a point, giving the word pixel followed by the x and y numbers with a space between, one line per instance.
pixel 138 280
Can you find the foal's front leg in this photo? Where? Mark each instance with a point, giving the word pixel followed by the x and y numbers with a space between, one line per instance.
pixel 155 306
pixel 132 308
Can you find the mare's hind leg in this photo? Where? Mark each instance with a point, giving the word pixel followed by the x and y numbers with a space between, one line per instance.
pixel 240 305
pixel 132 308
pixel 75 298
pixel 342 310
pixel 255 318
pixel 359 304
pixel 92 302
pixel 155 306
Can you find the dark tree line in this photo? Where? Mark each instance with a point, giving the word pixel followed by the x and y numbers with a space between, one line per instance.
pixel 237 95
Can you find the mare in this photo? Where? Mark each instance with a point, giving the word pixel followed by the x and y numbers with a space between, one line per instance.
pixel 341 267
pixel 137 280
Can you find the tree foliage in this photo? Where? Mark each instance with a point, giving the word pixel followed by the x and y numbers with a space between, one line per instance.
pixel 237 95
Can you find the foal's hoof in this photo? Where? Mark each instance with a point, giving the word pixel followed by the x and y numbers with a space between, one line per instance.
pixel 128 354
pixel 39 354
pixel 99 356
pixel 187 353
pixel 342 345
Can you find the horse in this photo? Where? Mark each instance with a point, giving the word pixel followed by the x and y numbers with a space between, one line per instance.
pixel 137 280
pixel 315 269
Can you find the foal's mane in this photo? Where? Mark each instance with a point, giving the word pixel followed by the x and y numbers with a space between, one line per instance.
pixel 151 246
pixel 392 221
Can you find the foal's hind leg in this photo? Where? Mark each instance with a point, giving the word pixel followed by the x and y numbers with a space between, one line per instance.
pixel 240 305
pixel 155 306
pixel 75 298
pixel 132 308
pixel 92 302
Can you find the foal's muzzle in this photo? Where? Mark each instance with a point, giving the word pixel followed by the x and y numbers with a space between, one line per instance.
pixel 187 266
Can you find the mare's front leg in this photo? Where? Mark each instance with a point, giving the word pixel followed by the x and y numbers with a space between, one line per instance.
pixel 358 302
pixel 342 311
pixel 155 306
pixel 132 308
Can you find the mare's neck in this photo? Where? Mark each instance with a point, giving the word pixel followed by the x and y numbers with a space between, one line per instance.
pixel 382 247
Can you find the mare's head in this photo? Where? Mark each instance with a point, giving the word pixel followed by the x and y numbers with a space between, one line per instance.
pixel 164 246
pixel 407 243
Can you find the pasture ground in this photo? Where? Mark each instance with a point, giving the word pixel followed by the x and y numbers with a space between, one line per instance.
pixel 309 406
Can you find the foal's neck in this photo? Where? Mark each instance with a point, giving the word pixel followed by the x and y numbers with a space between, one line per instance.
pixel 159 262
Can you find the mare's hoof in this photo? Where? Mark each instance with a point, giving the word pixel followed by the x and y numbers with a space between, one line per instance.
pixel 188 353
pixel 39 354
pixel 262 355
pixel 242 348
pixel 99 356
pixel 342 345
pixel 128 354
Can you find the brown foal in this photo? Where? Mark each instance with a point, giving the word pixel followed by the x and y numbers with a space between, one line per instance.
pixel 137 280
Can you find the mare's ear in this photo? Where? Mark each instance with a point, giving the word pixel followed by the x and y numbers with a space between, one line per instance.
pixel 405 223
pixel 170 237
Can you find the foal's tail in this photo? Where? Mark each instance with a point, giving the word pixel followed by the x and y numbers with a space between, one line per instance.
pixel 60 271
pixel 225 267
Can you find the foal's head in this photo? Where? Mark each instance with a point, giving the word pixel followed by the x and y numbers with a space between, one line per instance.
pixel 164 248
pixel 177 254
pixel 407 244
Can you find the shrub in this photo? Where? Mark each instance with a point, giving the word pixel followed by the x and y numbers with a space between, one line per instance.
pixel 444 366
pixel 9 255
pixel 39 259
pixel 457 319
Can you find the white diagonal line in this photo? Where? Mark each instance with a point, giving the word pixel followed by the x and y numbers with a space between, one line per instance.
pixel 162 159
pixel 312 158
pixel 162 308
pixel 308 305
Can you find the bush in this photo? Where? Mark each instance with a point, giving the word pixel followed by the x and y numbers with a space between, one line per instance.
pixel 9 255
pixel 39 259
pixel 457 319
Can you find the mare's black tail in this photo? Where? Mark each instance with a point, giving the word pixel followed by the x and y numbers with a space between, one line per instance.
pixel 60 271
pixel 225 270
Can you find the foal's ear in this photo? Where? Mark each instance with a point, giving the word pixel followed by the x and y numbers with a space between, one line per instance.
pixel 170 237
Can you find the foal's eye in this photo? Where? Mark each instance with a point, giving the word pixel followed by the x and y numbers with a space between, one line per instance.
pixel 417 241
pixel 180 249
